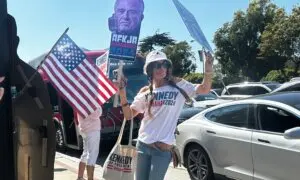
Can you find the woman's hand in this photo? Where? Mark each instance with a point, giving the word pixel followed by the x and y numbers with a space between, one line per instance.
pixel 121 84
pixel 1 88
pixel 209 60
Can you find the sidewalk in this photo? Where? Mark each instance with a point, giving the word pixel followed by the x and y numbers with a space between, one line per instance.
pixel 65 168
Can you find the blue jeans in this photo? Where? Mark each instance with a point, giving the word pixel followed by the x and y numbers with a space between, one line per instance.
pixel 152 163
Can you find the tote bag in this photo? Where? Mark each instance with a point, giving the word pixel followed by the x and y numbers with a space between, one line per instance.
pixel 121 161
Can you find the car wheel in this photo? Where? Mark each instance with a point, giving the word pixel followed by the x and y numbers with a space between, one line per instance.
pixel 60 142
pixel 198 163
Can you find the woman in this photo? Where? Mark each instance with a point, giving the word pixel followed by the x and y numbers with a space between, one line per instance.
pixel 90 131
pixel 161 103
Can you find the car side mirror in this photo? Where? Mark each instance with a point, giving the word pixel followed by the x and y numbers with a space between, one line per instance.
pixel 293 133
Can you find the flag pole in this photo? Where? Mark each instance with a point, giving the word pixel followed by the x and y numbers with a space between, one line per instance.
pixel 27 85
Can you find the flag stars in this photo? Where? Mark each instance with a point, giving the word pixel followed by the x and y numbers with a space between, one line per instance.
pixel 68 53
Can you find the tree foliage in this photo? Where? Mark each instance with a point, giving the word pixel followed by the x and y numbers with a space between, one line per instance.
pixel 148 43
pixel 238 42
pixel 182 58
pixel 197 78
pixel 281 39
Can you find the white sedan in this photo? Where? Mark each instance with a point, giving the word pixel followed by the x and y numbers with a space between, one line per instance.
pixel 256 138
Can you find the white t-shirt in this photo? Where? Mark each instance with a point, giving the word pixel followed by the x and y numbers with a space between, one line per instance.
pixel 166 108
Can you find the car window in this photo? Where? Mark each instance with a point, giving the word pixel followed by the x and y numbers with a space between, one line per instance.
pixel 276 120
pixel 247 90
pixel 235 115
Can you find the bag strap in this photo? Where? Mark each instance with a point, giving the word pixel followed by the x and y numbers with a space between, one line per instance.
pixel 131 130
pixel 122 131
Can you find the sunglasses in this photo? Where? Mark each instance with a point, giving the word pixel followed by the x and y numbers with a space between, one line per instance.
pixel 164 64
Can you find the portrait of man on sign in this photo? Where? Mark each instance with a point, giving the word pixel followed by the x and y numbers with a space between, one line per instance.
pixel 127 17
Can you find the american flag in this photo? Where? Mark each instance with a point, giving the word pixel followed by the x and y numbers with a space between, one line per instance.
pixel 79 81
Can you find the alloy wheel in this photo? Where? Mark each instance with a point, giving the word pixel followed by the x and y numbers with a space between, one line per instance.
pixel 198 164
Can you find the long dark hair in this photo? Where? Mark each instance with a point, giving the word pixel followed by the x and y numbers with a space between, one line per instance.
pixel 169 78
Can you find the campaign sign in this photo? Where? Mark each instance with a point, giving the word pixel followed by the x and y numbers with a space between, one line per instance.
pixel 102 63
pixel 192 25
pixel 125 24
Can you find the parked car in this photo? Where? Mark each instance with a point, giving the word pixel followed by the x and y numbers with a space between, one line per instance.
pixel 248 89
pixel 205 97
pixel 188 112
pixel 255 138
pixel 293 85
pixel 208 100
pixel 295 79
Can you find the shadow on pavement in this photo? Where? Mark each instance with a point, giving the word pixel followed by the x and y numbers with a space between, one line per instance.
pixel 59 169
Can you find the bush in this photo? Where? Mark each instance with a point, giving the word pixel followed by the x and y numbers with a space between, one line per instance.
pixel 278 76
pixel 274 75
pixel 195 78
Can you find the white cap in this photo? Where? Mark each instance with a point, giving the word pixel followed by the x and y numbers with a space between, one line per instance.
pixel 155 56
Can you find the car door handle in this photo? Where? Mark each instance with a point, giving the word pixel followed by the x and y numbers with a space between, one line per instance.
pixel 264 141
pixel 211 132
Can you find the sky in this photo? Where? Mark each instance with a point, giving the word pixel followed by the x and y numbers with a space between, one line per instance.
pixel 40 23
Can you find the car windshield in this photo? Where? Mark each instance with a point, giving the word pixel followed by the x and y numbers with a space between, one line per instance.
pixel 204 97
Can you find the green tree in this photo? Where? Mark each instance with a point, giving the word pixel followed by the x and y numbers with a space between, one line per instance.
pixel 182 58
pixel 237 42
pixel 148 43
pixel 281 39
